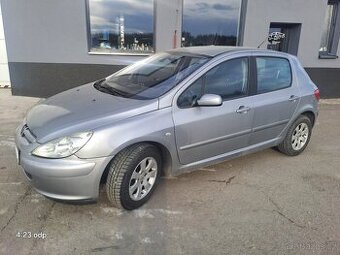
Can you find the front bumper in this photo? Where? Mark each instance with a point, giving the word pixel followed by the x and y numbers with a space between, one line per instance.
pixel 70 178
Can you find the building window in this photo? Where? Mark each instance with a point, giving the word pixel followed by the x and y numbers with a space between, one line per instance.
pixel 214 22
pixel 331 31
pixel 121 26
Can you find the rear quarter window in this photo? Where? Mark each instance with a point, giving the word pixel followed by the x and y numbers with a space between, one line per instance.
pixel 273 73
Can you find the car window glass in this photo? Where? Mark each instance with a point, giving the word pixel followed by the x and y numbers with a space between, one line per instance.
pixel 272 74
pixel 229 79
pixel 153 76
pixel 193 92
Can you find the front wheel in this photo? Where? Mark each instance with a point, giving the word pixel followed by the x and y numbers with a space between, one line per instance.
pixel 133 176
pixel 297 137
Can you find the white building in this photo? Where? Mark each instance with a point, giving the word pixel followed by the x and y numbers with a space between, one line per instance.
pixel 4 72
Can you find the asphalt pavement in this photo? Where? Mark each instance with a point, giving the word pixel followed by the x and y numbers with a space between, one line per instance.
pixel 263 203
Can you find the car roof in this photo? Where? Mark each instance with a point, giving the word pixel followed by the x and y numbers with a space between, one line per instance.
pixel 213 51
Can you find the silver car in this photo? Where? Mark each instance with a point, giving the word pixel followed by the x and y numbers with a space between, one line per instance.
pixel 168 114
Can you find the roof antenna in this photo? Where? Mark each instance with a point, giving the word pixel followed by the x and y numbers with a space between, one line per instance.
pixel 273 38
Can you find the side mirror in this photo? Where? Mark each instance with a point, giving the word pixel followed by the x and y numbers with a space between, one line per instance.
pixel 210 100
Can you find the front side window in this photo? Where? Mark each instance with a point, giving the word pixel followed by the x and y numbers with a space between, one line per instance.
pixel 190 95
pixel 120 26
pixel 272 74
pixel 214 22
pixel 228 79
pixel 331 31
pixel 153 76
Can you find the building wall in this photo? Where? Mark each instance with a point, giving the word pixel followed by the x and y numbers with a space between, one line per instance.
pixel 259 15
pixel 168 19
pixel 48 44
pixel 4 73
pixel 47 41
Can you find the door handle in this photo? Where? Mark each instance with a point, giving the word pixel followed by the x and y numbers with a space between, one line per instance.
pixel 243 109
pixel 293 98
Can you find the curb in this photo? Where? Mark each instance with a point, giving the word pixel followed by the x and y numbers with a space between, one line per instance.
pixel 330 101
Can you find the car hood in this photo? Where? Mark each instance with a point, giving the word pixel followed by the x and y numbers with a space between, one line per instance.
pixel 81 109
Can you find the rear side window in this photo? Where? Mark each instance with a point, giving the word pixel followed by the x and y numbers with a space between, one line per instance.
pixel 272 74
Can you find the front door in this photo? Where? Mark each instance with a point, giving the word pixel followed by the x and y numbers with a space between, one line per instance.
pixel 205 132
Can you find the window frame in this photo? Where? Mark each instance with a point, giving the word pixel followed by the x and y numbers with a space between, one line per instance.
pixel 255 80
pixel 89 38
pixel 250 81
pixel 334 33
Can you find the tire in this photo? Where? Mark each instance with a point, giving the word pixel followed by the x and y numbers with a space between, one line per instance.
pixel 297 137
pixel 127 186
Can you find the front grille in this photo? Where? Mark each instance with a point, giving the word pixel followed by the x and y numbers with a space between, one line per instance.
pixel 26 133
pixel 24 127
pixel 28 175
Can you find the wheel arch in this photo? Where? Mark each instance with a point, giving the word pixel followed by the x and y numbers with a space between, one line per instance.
pixel 165 154
pixel 311 115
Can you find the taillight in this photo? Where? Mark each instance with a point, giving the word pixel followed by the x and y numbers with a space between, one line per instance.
pixel 317 94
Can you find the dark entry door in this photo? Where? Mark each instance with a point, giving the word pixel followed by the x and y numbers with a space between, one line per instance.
pixel 290 43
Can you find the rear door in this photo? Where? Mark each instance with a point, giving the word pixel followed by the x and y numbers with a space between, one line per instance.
pixel 206 132
pixel 276 97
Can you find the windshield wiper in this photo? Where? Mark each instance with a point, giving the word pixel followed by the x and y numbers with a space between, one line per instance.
pixel 98 83
pixel 103 87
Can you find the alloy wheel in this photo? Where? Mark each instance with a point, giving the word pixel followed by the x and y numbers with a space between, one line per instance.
pixel 300 136
pixel 143 178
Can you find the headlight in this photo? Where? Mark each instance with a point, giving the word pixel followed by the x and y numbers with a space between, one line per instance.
pixel 63 147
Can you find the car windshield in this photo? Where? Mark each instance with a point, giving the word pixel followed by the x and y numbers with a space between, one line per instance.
pixel 154 76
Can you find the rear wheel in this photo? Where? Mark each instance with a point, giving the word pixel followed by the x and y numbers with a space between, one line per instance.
pixel 297 137
pixel 133 176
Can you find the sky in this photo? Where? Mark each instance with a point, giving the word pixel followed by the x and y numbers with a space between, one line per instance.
pixel 213 16
pixel 138 15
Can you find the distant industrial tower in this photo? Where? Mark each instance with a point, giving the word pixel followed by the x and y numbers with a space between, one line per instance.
pixel 121 32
